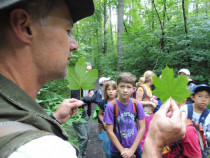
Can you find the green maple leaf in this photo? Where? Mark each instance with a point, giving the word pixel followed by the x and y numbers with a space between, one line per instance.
pixel 168 86
pixel 78 78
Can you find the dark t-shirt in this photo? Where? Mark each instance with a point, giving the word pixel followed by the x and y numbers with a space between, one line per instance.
pixel 102 104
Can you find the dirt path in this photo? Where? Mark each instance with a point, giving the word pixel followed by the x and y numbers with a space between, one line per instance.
pixel 94 147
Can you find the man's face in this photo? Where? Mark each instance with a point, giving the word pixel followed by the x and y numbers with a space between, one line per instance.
pixel 53 44
pixel 125 90
pixel 182 73
pixel 201 99
pixel 88 68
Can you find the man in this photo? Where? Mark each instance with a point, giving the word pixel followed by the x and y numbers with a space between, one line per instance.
pixel 82 129
pixel 35 46
pixel 190 85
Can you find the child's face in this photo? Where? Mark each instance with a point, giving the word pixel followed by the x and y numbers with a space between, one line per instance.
pixel 201 99
pixel 111 92
pixel 125 90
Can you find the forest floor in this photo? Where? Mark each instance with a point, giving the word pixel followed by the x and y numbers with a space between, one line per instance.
pixel 94 147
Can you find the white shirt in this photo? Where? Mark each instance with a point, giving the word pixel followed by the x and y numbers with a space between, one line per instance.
pixel 47 146
pixel 196 117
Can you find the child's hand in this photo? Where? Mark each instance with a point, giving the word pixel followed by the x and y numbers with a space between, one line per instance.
pixel 153 104
pixel 128 153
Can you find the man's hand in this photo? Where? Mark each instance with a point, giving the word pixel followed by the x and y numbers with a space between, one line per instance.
pixel 128 153
pixel 67 108
pixel 167 126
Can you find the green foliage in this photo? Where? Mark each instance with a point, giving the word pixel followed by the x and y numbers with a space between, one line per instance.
pixel 52 94
pixel 167 86
pixel 78 78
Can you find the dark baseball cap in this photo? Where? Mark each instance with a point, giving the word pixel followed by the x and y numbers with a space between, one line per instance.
pixel 79 9
pixel 201 87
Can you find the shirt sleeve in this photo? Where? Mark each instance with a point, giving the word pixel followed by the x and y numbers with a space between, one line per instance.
pixel 190 143
pixel 46 146
pixel 109 114
pixel 141 114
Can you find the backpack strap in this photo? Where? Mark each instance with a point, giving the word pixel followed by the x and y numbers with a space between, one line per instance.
pixel 114 103
pixel 189 111
pixel 115 107
pixel 145 91
pixel 203 116
pixel 135 108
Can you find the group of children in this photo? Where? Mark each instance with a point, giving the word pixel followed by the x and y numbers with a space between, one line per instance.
pixel 126 120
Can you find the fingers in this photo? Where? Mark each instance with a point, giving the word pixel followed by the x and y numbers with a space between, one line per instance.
pixel 165 107
pixel 75 103
pixel 184 123
pixel 176 111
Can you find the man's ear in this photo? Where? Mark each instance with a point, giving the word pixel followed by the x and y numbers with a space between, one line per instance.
pixel 20 22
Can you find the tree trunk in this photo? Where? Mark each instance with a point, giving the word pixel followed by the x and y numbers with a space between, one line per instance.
pixel 162 44
pixel 120 13
pixel 162 41
pixel 153 22
pixel 110 23
pixel 105 27
pixel 185 19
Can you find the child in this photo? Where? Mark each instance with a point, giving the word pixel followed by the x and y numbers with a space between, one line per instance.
pixel 110 93
pixel 145 96
pixel 122 129
pixel 198 111
pixel 96 98
pixel 144 92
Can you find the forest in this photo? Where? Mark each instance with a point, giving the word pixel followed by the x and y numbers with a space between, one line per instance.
pixel 139 35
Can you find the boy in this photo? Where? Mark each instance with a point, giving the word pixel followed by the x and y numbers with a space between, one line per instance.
pixel 198 111
pixel 122 131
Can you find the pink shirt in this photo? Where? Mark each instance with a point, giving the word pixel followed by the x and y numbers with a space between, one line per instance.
pixel 190 145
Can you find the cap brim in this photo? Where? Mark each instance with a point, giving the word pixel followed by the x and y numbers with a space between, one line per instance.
pixel 202 88
pixel 80 9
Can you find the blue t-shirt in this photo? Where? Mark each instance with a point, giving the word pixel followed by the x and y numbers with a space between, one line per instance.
pixel 126 119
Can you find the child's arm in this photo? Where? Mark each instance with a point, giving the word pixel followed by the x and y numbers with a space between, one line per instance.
pixel 100 116
pixel 129 152
pixel 113 138
pixel 139 97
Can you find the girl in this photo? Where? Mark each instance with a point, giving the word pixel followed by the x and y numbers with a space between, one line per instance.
pixel 144 95
pixel 110 93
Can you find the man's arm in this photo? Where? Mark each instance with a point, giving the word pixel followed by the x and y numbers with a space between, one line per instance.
pixel 113 138
pixel 130 152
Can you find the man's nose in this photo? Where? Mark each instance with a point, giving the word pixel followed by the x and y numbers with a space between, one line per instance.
pixel 73 44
